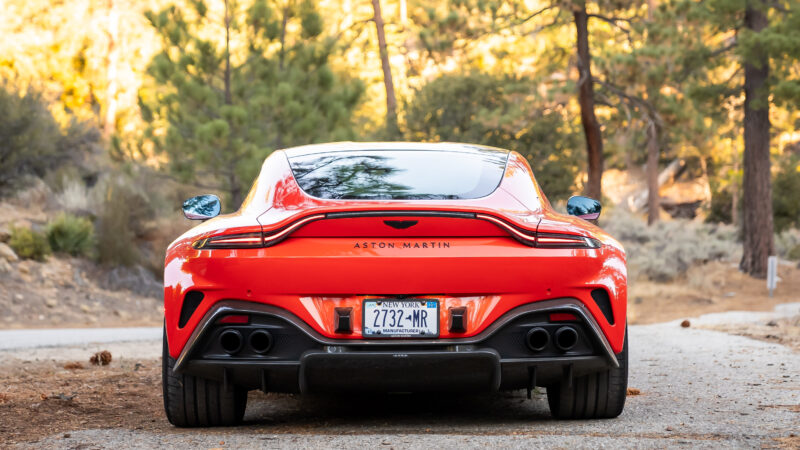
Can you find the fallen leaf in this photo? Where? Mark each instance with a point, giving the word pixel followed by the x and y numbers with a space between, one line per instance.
pixel 634 391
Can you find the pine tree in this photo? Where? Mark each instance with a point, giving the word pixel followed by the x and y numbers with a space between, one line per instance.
pixel 763 39
pixel 217 103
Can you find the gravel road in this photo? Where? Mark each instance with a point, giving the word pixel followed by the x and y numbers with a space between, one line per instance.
pixel 698 388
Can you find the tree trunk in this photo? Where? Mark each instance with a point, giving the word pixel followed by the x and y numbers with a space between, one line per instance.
pixel 109 122
pixel 653 200
pixel 757 224
pixel 591 128
pixel 228 100
pixel 282 53
pixel 391 100
pixel 735 189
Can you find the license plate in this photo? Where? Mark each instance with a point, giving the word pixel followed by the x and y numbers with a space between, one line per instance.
pixel 401 318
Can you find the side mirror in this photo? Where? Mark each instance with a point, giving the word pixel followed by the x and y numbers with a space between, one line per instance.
pixel 202 207
pixel 584 207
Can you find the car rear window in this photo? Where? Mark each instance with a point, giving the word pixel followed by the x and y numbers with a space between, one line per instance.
pixel 400 174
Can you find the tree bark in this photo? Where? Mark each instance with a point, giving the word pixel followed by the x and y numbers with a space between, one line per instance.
pixel 757 223
pixel 228 100
pixel 653 199
pixel 591 128
pixel 391 100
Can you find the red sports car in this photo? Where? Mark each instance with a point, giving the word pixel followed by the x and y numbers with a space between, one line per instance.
pixel 393 267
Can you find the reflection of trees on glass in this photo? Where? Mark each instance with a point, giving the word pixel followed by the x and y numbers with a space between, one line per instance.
pixel 360 177
pixel 202 205
pixel 582 206
pixel 397 176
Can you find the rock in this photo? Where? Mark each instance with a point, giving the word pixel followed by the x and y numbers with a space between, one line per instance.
pixel 5 267
pixel 686 324
pixel 5 234
pixel 7 253
pixel 51 303
pixel 19 297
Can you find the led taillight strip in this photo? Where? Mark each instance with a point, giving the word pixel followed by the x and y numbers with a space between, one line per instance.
pixel 553 240
pixel 527 238
pixel 543 240
pixel 244 240
pixel 253 240
pixel 277 236
pixel 268 239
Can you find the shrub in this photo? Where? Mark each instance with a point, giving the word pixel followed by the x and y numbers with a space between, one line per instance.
pixel 666 250
pixel 787 244
pixel 29 244
pixel 122 216
pixel 785 206
pixel 71 235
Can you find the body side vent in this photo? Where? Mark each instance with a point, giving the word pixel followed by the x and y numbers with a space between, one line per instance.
pixel 600 296
pixel 190 303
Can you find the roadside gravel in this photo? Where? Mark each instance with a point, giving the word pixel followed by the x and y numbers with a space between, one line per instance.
pixel 697 388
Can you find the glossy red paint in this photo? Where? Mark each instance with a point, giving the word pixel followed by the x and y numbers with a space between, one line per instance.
pixel 327 263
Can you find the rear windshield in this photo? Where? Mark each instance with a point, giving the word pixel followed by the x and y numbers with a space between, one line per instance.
pixel 400 174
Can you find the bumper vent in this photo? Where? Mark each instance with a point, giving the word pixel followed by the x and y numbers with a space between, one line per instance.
pixel 600 297
pixel 190 303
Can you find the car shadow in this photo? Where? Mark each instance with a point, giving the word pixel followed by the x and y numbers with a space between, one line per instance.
pixel 393 412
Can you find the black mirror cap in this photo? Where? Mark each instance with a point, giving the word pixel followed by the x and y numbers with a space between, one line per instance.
pixel 584 207
pixel 202 207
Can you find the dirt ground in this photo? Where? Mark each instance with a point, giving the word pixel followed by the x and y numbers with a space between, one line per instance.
pixel 64 293
pixel 710 288
pixel 33 394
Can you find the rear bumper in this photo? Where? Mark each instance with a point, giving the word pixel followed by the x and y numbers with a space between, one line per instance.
pixel 302 360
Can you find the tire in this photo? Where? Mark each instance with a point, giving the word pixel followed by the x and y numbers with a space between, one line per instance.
pixel 191 401
pixel 598 395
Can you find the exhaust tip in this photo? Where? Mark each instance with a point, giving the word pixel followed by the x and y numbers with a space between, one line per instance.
pixel 537 339
pixel 566 338
pixel 261 341
pixel 230 341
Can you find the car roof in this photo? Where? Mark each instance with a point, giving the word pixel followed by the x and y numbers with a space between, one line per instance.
pixel 312 149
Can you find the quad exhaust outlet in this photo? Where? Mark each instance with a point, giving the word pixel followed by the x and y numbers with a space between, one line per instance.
pixel 565 338
pixel 537 339
pixel 231 341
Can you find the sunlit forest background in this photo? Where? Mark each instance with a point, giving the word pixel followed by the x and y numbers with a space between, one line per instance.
pixel 112 113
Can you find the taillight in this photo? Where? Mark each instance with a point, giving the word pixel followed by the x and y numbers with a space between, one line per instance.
pixel 273 237
pixel 553 240
pixel 244 240
pixel 253 240
pixel 543 240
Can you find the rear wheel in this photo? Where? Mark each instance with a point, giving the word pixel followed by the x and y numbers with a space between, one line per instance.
pixel 598 395
pixel 191 401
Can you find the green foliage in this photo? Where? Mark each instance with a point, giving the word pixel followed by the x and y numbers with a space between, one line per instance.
pixel 498 111
pixel 71 235
pixel 29 244
pixel 32 142
pixel 677 244
pixel 721 207
pixel 785 188
pixel 122 219
pixel 281 91
pixel 29 136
